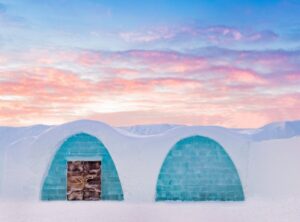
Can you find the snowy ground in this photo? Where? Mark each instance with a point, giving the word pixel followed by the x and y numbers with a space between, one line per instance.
pixel 251 210
pixel 269 170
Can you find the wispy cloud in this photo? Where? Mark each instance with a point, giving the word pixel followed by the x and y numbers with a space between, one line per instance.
pixel 211 34
pixel 113 61
pixel 217 86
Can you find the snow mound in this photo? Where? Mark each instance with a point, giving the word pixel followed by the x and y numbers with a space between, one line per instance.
pixel 137 158
pixel 11 134
pixel 267 169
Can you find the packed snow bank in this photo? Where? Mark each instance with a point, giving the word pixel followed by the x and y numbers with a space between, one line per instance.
pixel 274 168
pixel 249 211
pixel 11 135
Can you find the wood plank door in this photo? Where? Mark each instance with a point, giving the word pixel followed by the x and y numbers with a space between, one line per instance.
pixel 84 180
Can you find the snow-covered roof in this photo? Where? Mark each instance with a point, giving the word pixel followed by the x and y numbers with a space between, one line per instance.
pixel 27 153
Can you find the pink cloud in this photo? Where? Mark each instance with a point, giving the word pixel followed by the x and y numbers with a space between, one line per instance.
pixel 293 77
pixel 122 71
pixel 221 88
pixel 54 93
pixel 243 76
pixel 168 61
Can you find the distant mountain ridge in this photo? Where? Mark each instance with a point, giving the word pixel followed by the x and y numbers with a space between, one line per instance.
pixel 149 129
pixel 276 130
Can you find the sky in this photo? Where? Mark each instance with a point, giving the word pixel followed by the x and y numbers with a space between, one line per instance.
pixel 197 62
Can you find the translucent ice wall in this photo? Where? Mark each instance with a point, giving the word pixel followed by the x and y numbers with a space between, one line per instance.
pixel 198 169
pixel 81 146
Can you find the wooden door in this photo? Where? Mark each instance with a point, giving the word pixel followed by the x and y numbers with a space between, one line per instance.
pixel 84 180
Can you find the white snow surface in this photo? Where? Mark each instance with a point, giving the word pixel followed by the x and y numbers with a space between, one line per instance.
pixel 268 167
pixel 253 210
pixel 274 168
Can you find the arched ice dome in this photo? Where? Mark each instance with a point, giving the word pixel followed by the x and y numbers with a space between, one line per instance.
pixel 137 159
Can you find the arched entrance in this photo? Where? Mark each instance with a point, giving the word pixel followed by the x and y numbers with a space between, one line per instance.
pixel 82 164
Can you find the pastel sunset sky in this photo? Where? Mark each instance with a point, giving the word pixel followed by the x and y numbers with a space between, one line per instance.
pixel 125 62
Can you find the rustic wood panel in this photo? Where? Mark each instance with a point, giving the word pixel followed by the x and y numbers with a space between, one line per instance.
pixel 84 180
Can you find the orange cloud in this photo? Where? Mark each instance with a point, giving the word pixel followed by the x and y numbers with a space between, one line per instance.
pixel 152 86
pixel 54 93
